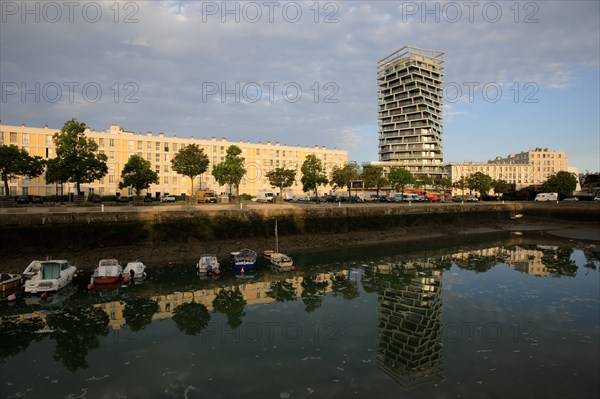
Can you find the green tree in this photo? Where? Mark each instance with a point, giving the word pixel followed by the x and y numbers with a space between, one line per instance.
pixel 138 312
pixel 138 174
pixel 479 182
pixel 422 181
pixel 344 176
pixel 562 183
pixel 231 170
pixel 281 178
pixel 400 178
pixel 15 161
pixel 190 161
pixel 372 176
pixel 56 173
pixel 313 174
pixel 461 184
pixel 231 303
pixel 501 186
pixel 78 155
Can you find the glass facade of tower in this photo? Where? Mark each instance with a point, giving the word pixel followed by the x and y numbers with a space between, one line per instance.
pixel 410 92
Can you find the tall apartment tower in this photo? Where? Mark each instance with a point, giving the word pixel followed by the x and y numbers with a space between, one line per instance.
pixel 410 92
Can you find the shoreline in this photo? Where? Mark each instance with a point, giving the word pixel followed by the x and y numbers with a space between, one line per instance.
pixel 588 233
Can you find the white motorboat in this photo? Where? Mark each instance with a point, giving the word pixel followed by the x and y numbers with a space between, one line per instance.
pixel 109 271
pixel 208 263
pixel 52 276
pixel 135 270
pixel 32 269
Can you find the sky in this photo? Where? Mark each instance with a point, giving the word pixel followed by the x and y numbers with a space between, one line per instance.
pixel 518 75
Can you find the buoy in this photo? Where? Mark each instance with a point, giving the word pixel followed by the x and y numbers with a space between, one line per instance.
pixel 242 271
pixel 90 286
pixel 125 280
pixel 292 268
pixel 11 298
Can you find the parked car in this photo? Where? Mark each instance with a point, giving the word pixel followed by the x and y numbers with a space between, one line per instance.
pixel 597 198
pixel 36 199
pixel 168 198
pixel 22 199
pixel 301 198
pixel 123 199
pixel 96 199
pixel 148 199
pixel 571 199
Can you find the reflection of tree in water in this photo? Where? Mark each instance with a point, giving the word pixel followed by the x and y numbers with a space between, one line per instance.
pixel 282 291
pixel 592 258
pixel 230 303
pixel 558 262
pixel 478 263
pixel 341 285
pixel 312 292
pixel 76 333
pixel 16 335
pixel 138 312
pixel 191 318
pixel 387 275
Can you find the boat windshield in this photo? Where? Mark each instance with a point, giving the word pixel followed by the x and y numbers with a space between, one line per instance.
pixel 50 271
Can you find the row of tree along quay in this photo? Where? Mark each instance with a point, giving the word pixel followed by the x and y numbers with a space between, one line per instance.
pixel 78 161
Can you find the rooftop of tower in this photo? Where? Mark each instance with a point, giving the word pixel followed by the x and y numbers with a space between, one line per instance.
pixel 434 57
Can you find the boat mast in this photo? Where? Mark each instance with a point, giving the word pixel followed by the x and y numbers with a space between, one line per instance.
pixel 276 238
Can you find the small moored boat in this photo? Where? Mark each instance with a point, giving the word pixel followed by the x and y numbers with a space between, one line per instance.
pixel 280 262
pixel 52 276
pixel 109 271
pixel 135 270
pixel 9 281
pixel 244 259
pixel 208 264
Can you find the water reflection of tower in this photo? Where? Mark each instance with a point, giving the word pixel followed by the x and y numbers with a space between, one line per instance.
pixel 410 327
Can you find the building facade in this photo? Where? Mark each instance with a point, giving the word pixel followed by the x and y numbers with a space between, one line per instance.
pixel 410 93
pixel 528 168
pixel 119 145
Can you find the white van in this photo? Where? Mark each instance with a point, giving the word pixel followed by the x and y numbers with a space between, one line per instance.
pixel 544 197
pixel 265 196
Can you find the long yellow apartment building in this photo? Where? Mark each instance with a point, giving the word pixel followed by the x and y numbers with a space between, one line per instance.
pixel 119 145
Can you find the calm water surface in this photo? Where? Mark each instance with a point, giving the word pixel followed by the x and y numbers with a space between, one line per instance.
pixel 501 319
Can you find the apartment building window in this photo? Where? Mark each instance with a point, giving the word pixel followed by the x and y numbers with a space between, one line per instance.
pixel 175 147
pixel 166 147
pixel 25 138
pixel 166 179
pixel 140 145
pixel 166 157
pixel 1 138
pixel 277 153
pixel 157 146
pixel 258 151
pixel 166 169
pixel 148 146
pixel 111 155
pixel 139 154
pixel 283 153
pixel 157 158
pixel 49 139
pixel 222 150
pixel 214 160
pixel 100 142
pixel 13 137
pixel 130 145
pixel 148 156
pixel 111 179
pixel 174 180
pixel 111 143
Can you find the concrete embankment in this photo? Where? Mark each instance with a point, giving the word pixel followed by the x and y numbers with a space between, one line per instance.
pixel 64 228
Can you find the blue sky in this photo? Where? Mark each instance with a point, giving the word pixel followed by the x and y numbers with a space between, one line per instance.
pixel 163 66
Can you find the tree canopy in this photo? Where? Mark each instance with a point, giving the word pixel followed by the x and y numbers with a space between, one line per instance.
pixel 400 178
pixel 344 176
pixel 313 174
pixel 281 178
pixel 138 174
pixel 231 170
pixel 15 161
pixel 77 154
pixel 190 161
pixel 479 182
pixel 372 176
pixel 562 183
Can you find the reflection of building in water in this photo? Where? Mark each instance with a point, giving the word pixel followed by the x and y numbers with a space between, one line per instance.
pixel 524 260
pixel 410 329
pixel 254 292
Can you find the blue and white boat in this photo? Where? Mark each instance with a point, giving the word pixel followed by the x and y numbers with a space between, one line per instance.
pixel 244 259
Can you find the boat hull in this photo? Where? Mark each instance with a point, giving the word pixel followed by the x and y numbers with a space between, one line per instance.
pixel 244 259
pixel 107 280
pixel 10 282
